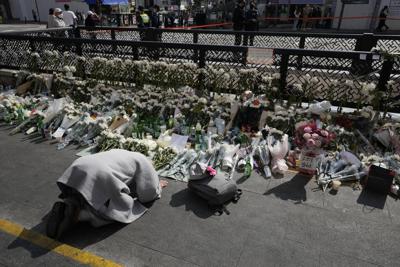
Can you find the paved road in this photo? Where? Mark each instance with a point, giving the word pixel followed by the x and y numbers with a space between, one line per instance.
pixel 277 222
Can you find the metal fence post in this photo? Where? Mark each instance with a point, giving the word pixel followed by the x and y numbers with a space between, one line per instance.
pixel 283 70
pixel 114 46
pixel 135 52
pixel 384 74
pixel 112 34
pixel 302 44
pixel 78 48
pixel 364 43
pixel 245 54
pixel 32 45
pixel 77 32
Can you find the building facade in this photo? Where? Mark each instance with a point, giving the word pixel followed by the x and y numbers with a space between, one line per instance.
pixel 25 9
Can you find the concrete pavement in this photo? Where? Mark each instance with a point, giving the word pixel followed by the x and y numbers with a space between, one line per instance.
pixel 20 27
pixel 277 222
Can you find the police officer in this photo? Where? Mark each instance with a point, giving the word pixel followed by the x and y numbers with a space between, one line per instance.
pixel 143 18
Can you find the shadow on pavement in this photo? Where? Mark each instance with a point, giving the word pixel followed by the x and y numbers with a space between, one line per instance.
pixel 372 200
pixel 291 190
pixel 7 127
pixel 81 236
pixel 192 203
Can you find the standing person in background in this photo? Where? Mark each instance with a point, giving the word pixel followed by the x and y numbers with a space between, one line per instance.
pixel 143 22
pixel 69 16
pixel 165 14
pixel 251 23
pixel 55 20
pixel 297 14
pixel 50 18
pixel 327 18
pixel 318 14
pixel 238 21
pixel 306 14
pixel 186 18
pixel 143 19
pixel 34 15
pixel 382 19
pixel 155 17
pixel 92 19
pixel 91 22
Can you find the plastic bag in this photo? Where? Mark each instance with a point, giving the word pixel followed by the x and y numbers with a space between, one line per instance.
pixel 54 108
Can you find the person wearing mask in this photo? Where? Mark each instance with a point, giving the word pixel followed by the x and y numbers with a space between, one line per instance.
pixel 251 23
pixel 69 16
pixel 382 19
pixel 56 20
pixel 103 188
pixel 238 21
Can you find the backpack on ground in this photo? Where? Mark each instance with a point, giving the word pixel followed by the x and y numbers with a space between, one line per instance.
pixel 217 191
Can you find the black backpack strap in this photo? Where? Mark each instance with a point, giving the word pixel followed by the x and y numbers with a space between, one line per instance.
pixel 219 210
pixel 237 196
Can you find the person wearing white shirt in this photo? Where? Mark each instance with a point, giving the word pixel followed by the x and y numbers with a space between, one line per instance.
pixel 69 17
pixel 56 20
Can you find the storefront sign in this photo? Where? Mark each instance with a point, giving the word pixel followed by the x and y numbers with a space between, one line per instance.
pixel 263 56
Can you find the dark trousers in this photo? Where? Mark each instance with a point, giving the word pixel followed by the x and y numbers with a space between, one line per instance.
pixel 382 23
pixel 251 27
pixel 238 36
pixel 238 39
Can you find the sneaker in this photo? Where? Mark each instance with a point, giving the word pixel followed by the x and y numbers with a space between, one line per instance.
pixel 55 218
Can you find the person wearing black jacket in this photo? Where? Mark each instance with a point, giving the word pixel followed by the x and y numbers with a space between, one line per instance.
pixel 251 23
pixel 155 17
pixel 238 21
pixel 382 19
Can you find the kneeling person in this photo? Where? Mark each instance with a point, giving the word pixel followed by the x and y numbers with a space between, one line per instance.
pixel 103 188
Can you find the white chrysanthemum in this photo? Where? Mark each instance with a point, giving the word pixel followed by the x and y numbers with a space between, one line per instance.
pixel 276 76
pixel 298 86
pixel 314 80
pixel 349 83
pixel 203 100
pixel 66 69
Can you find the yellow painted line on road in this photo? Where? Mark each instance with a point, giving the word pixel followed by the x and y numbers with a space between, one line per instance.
pixel 54 246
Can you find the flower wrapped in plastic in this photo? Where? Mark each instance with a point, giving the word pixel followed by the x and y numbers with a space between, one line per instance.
pixel 278 147
pixel 312 140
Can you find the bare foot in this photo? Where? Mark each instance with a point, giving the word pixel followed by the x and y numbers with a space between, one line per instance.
pixel 163 183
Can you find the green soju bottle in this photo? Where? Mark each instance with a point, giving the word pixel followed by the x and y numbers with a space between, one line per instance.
pixel 248 168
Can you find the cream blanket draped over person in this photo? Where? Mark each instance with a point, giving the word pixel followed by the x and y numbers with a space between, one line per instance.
pixel 114 183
